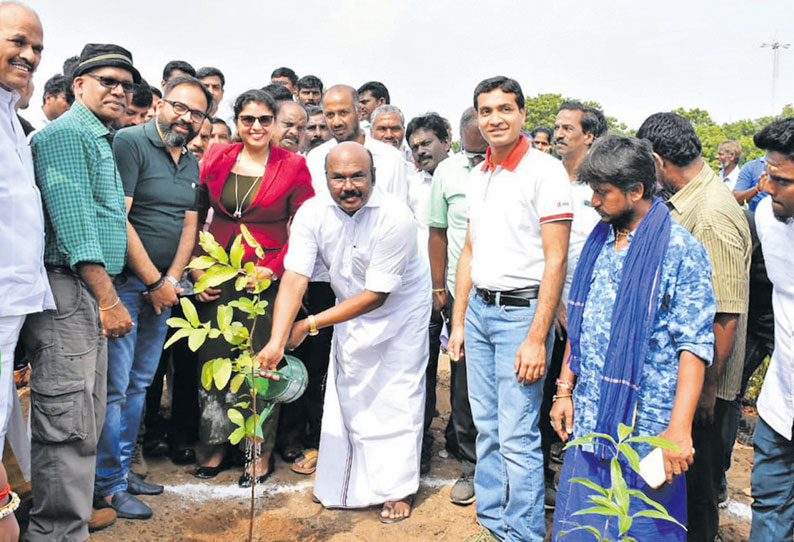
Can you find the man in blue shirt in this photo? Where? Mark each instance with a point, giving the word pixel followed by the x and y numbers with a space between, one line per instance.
pixel 747 189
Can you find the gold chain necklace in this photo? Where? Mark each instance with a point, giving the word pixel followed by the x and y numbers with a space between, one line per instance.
pixel 238 211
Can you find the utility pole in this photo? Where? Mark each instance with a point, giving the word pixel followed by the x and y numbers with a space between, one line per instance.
pixel 775 47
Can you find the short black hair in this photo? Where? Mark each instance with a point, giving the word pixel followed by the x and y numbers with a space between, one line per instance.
pixel 377 89
pixel 621 161
pixel 310 81
pixel 255 95
pixel 542 130
pixel 180 65
pixel 187 80
pixel 672 137
pixel 278 92
pixel 54 86
pixel 209 71
pixel 156 91
pixel 505 84
pixel 218 120
pixel 429 121
pixel 282 103
pixel 142 96
pixel 593 121
pixel 313 110
pixel 285 72
pixel 778 136
pixel 69 67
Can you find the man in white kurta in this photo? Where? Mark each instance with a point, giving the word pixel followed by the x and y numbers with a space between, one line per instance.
pixel 374 402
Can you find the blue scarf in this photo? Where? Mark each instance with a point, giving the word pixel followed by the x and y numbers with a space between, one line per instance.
pixel 633 314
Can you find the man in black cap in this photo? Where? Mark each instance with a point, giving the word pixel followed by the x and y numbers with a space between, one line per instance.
pixel 85 246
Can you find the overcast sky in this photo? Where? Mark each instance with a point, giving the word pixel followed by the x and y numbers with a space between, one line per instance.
pixel 635 58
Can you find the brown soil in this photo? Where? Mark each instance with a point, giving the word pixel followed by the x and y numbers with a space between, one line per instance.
pixel 216 511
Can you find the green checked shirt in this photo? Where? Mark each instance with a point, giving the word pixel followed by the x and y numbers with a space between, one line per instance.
pixel 85 217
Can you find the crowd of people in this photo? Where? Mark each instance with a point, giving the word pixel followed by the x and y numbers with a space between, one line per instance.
pixel 579 281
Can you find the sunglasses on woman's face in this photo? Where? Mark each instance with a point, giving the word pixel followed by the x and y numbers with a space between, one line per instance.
pixel 248 120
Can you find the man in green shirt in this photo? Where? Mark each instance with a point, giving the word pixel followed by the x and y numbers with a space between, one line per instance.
pixel 447 221
pixel 85 246
pixel 160 181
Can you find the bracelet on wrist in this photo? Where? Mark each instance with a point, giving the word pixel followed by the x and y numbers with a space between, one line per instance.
pixel 439 290
pixel 172 280
pixel 12 505
pixel 555 397
pixel 313 331
pixel 567 384
pixel 4 493
pixel 111 306
pixel 156 285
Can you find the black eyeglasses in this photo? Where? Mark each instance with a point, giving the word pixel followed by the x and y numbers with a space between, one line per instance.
pixel 248 120
pixel 180 109
pixel 111 83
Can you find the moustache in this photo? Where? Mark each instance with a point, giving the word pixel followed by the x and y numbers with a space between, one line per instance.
pixel 19 60
pixel 351 194
pixel 560 141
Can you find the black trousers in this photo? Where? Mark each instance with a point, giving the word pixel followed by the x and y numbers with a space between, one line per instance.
pixel 431 380
pixel 181 429
pixel 300 422
pixel 548 435
pixel 704 477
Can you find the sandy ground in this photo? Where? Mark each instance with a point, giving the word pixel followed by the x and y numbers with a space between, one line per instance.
pixel 193 510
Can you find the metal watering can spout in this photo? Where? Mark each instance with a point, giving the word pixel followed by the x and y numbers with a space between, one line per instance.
pixel 292 382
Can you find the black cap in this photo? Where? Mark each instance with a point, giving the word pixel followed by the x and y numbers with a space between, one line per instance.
pixel 99 55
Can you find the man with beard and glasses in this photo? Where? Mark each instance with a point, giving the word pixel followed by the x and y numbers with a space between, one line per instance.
pixel 199 144
pixel 317 131
pixel 700 203
pixel 85 246
pixel 773 466
pixel 160 180
pixel 290 126
pixel 138 109
pixel 640 334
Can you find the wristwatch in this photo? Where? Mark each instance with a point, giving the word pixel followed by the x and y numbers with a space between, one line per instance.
pixel 172 280
pixel 312 326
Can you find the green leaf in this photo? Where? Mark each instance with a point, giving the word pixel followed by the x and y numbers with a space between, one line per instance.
pixel 249 268
pixel 649 501
pixel 202 262
pixel 237 381
pixel 579 442
pixel 624 431
pixel 206 375
pixel 217 275
pixel 211 247
pixel 242 404
pixel 600 510
pixel 624 524
pixel 655 514
pixel 196 338
pixel 235 416
pixel 619 485
pixel 588 483
pixel 179 334
pixel 579 528
pixel 190 312
pixel 222 371
pixel 224 316
pixel 659 442
pixel 240 283
pixel 631 455
pixel 606 503
pixel 237 435
pixel 249 238
pixel 236 252
pixel 178 323
pixel 261 286
pixel 214 333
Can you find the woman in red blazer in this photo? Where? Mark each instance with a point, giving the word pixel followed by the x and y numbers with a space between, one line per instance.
pixel 260 185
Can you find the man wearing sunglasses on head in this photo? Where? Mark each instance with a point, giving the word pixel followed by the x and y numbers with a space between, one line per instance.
pixel 160 180
pixel 85 246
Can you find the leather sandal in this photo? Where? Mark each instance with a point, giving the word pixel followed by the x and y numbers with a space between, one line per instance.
pixel 308 456
pixel 390 505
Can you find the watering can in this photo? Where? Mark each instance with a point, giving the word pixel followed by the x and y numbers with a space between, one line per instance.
pixel 292 382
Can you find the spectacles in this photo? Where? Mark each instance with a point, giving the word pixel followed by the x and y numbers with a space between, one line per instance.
pixel 111 83
pixel 180 109
pixel 248 120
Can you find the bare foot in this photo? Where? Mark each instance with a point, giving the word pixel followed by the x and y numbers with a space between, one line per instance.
pixel 261 464
pixel 394 511
pixel 215 457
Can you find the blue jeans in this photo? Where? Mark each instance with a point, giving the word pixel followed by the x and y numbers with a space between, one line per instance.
pixel 508 480
pixel 772 483
pixel 132 363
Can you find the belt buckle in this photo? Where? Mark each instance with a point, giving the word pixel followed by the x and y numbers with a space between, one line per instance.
pixel 487 296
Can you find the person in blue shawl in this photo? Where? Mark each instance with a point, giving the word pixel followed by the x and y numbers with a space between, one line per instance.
pixel 640 318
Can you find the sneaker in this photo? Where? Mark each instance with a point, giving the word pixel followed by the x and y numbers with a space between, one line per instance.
pixel 462 492
pixel 483 536
pixel 138 462
pixel 550 498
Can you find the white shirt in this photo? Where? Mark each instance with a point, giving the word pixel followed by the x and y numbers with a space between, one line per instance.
pixel 730 180
pixel 776 403
pixel 24 287
pixel 375 250
pixel 507 206
pixel 584 220
pixel 419 201
pixel 391 171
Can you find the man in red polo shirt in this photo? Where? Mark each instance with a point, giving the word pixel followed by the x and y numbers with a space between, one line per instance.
pixel 513 264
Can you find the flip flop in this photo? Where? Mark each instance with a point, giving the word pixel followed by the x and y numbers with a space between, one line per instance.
pixel 306 456
pixel 409 500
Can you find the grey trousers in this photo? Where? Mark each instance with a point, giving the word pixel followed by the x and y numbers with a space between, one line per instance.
pixel 68 381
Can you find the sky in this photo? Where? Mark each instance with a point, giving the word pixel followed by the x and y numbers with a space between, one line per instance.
pixel 635 58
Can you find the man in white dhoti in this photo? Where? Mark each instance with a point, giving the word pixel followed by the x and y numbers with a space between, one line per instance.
pixel 374 402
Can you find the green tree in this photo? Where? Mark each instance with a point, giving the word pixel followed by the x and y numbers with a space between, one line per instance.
pixel 542 111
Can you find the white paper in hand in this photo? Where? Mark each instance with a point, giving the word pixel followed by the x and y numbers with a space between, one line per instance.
pixel 652 468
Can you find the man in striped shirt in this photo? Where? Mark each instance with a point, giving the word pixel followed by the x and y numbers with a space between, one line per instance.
pixel 701 204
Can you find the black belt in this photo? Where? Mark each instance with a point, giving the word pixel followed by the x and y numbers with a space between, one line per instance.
pixel 515 298
pixel 59 269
